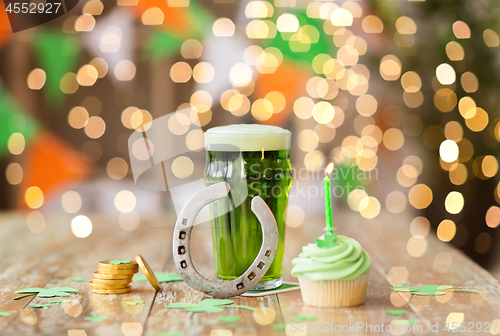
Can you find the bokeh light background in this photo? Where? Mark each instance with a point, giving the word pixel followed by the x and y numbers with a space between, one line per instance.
pixel 403 92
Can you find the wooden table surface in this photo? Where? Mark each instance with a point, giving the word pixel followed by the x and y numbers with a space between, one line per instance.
pixel 49 258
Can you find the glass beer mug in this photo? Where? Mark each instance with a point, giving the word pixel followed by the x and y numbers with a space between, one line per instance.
pixel 255 161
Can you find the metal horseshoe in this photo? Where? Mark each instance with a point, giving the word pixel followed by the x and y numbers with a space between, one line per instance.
pixel 182 236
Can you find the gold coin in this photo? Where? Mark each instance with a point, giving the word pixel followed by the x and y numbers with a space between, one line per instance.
pixel 111 281
pixel 112 291
pixel 99 286
pixel 150 275
pixel 98 275
pixel 129 272
pixel 129 265
pixel 130 269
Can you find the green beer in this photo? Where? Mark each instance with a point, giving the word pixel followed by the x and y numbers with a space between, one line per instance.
pixel 255 161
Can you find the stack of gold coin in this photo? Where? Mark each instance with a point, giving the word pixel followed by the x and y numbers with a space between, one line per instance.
pixel 113 277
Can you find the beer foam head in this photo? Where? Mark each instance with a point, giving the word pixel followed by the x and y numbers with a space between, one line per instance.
pixel 248 137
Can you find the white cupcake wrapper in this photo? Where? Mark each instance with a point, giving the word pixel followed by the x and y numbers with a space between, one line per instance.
pixel 334 293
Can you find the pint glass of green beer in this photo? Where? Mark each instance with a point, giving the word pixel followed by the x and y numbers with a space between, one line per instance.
pixel 255 161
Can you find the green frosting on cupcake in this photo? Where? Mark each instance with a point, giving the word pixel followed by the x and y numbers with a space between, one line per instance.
pixel 344 260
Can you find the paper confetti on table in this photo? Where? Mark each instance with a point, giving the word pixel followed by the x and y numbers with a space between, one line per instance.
pixel 44 306
pixel 210 306
pixel 431 289
pixel 95 318
pixel 77 279
pixel 24 296
pixel 396 312
pixel 229 319
pixel 132 303
pixel 425 290
pixel 280 326
pixel 285 287
pixel 46 293
pixel 180 305
pixel 60 301
pixel 410 321
pixel 205 306
pixel 33 290
pixel 161 276
pixel 300 318
pixel 6 313
pixel 118 262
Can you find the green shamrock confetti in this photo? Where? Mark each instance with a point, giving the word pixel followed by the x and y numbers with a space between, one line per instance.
pixel 327 241
pixel 180 305
pixel 33 290
pixel 215 302
pixel 280 326
pixel 205 306
pixel 205 309
pixel 400 322
pixel 161 276
pixel 44 306
pixel 60 301
pixel 282 287
pixel 118 262
pixel 405 289
pixel 433 290
pixel 77 279
pixel 174 333
pixel 244 307
pixel 56 291
pixel 46 293
pixel 425 290
pixel 132 303
pixel 412 321
pixel 300 318
pixel 396 312
pixel 6 313
pixel 229 319
pixel 95 318
pixel 24 296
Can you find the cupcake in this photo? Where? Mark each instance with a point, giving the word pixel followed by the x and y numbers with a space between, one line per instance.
pixel 333 272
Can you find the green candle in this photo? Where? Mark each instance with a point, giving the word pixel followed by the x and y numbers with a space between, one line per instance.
pixel 328 201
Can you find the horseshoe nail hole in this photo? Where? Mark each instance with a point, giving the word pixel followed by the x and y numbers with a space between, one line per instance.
pixel 181 250
pixel 182 235
pixel 268 253
pixel 240 285
pixel 251 276
pixel 261 265
pixel 184 221
pixel 184 264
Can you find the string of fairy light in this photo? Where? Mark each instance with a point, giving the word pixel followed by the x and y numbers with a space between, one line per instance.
pixel 336 90
pixel 456 151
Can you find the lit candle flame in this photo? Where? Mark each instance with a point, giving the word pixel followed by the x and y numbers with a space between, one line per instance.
pixel 329 168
